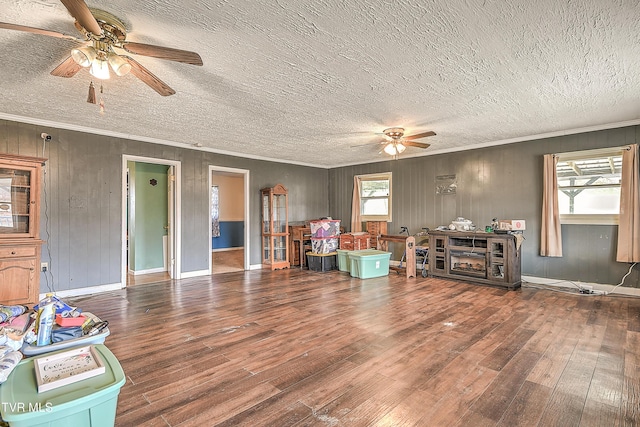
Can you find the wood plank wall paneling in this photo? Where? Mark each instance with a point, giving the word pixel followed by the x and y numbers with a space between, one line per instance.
pixel 84 208
pixel 503 182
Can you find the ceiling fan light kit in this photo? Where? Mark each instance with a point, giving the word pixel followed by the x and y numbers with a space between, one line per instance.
pixel 119 65
pixel 98 58
pixel 394 148
pixel 84 55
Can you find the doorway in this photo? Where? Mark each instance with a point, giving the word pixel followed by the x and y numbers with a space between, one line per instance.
pixel 150 220
pixel 229 213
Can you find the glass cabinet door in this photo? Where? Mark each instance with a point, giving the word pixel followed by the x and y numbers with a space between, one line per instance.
pixel 279 213
pixel 266 217
pixel 15 201
pixel 279 248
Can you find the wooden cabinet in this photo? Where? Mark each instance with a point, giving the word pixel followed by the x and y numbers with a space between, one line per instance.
pixel 299 243
pixel 355 241
pixel 488 258
pixel 275 227
pixel 20 180
pixel 375 230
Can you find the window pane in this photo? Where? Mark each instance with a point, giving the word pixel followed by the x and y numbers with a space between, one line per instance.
pixel 375 188
pixel 580 174
pixel 375 207
pixel 590 201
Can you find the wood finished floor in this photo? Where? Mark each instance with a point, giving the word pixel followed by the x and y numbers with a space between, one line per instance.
pixel 299 348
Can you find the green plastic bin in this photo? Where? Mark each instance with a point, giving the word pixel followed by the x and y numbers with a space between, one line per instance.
pixel 369 263
pixel 90 402
pixel 343 259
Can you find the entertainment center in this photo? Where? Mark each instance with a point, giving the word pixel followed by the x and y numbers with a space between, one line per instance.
pixel 476 256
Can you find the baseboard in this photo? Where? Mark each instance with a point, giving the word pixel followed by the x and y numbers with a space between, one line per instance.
pixel 227 249
pixel 197 273
pixel 573 284
pixel 149 271
pixel 255 267
pixel 86 291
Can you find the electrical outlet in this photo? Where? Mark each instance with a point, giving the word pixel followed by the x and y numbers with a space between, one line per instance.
pixel 44 266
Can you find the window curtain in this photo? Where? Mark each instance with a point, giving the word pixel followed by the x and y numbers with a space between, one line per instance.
pixel 356 221
pixel 550 236
pixel 629 219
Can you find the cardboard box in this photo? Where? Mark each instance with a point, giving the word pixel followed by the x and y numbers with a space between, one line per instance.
pixel 512 224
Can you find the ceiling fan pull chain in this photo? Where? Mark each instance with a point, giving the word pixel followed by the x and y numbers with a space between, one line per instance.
pixel 101 99
pixel 91 98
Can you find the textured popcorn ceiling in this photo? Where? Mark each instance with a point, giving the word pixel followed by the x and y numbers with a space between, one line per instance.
pixel 313 82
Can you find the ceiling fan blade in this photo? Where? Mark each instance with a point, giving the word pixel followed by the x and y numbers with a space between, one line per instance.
pixel 415 144
pixel 419 135
pixel 34 30
pixel 80 11
pixel 148 77
pixel 68 68
pixel 167 53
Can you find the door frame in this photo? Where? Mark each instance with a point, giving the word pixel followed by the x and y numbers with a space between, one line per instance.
pixel 245 177
pixel 177 267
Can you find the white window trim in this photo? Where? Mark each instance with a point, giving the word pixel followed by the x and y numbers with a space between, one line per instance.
pixel 589 219
pixel 377 177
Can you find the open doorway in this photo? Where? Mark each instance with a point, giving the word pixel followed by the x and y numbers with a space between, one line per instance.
pixel 151 220
pixel 229 213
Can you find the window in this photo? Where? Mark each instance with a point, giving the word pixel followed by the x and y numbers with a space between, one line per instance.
pixel 375 197
pixel 589 186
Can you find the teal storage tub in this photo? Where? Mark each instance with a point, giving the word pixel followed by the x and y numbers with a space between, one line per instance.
pixel 369 263
pixel 90 402
pixel 343 259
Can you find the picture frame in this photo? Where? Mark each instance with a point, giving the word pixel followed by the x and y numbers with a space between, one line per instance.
pixel 68 367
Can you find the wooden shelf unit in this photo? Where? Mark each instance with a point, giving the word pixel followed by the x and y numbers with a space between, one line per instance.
pixel 487 258
pixel 20 244
pixel 275 227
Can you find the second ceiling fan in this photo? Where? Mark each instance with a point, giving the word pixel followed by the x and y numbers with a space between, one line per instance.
pixel 104 32
pixel 397 142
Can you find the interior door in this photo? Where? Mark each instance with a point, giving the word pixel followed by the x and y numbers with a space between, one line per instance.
pixel 171 184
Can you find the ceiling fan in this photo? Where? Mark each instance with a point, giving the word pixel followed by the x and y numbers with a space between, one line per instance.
pixel 104 32
pixel 397 142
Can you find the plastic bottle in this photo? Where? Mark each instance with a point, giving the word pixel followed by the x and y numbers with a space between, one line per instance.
pixel 44 322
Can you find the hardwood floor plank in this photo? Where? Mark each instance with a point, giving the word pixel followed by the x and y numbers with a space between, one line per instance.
pixel 297 348
pixel 524 410
pixel 630 410
pixel 408 411
pixel 463 390
pixel 497 398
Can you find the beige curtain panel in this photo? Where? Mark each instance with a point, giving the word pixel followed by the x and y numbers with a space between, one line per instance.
pixel 356 221
pixel 629 219
pixel 550 236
